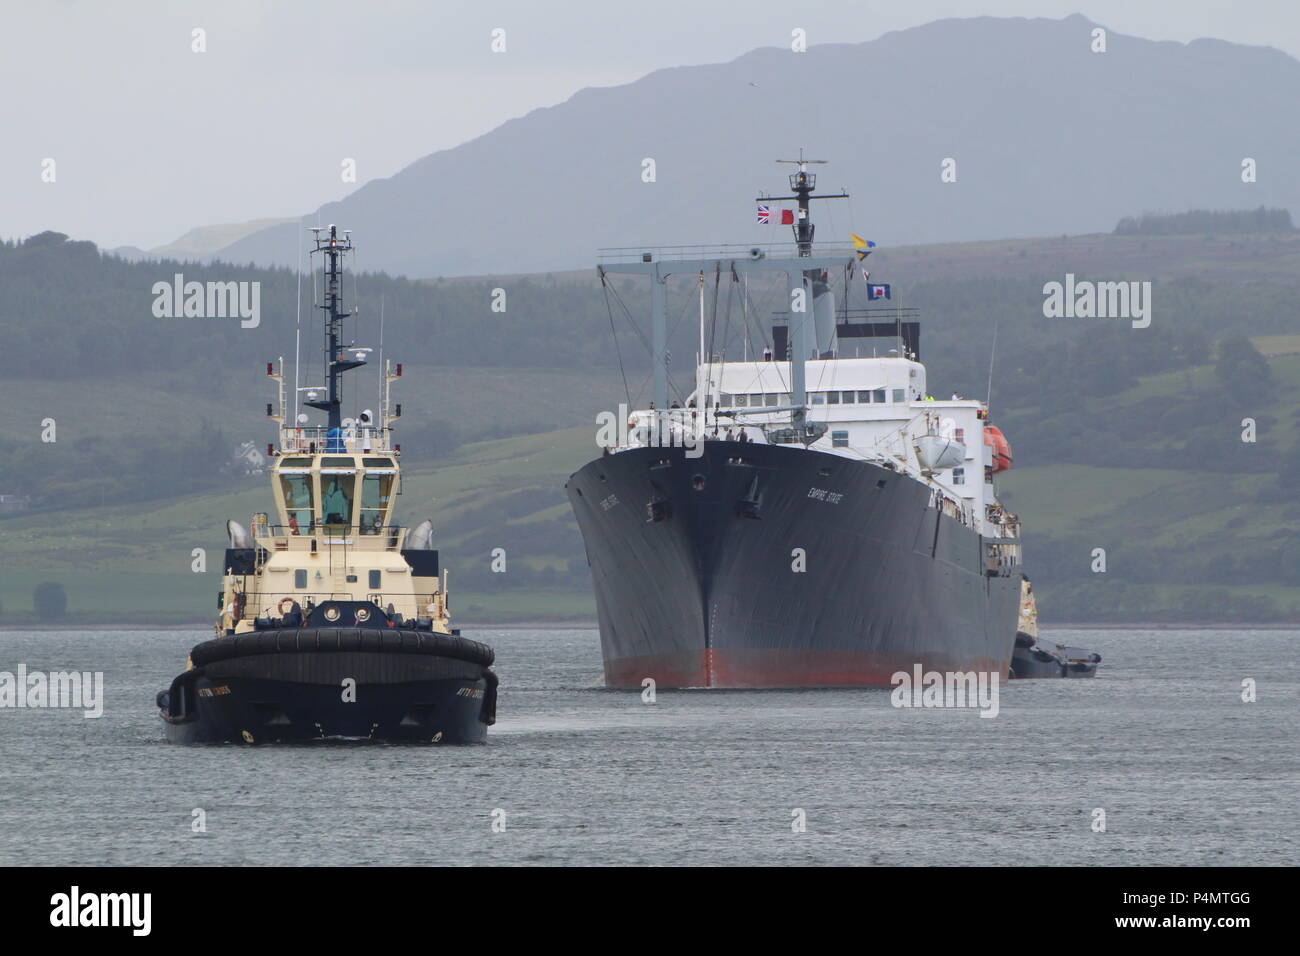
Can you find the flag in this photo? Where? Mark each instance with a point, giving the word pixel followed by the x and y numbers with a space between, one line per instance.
pixel 877 291
pixel 787 217
pixel 862 246
pixel 764 214
pixel 866 276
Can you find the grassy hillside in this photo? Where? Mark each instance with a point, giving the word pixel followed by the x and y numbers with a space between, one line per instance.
pixel 134 562
pixel 1190 545
pixel 1127 440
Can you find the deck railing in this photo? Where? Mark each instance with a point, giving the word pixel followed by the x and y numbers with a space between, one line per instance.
pixel 315 439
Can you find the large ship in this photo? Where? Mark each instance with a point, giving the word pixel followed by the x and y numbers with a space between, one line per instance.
pixel 808 515
pixel 334 619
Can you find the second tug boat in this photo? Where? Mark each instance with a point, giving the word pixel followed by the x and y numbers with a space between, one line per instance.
pixel 334 620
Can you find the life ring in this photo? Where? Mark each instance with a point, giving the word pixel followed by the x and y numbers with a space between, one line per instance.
pixel 281 606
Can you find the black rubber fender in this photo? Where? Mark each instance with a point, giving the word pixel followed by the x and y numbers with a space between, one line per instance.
pixel 489 710
pixel 342 640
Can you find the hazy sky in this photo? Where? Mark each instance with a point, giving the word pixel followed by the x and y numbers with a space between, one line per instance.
pixel 150 139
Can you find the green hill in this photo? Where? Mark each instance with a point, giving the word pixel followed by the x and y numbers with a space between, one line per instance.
pixel 1125 439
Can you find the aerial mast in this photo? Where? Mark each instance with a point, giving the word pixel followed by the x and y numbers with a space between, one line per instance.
pixel 336 362
pixel 817 288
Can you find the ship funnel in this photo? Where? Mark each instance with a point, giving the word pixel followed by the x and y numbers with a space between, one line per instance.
pixel 419 538
pixel 238 534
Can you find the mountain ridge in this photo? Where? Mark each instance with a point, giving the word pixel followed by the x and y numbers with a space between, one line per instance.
pixel 1054 138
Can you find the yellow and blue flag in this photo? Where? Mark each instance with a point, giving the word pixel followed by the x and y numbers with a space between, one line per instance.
pixel 862 246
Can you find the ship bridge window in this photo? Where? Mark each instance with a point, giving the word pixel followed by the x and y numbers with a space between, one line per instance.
pixel 378 462
pixel 742 401
pixel 770 398
pixel 847 397
pixel 817 398
pixel 296 490
pixel 336 499
pixel 295 462
pixel 724 399
pixel 840 439
pixel 900 395
pixel 832 398
pixel 756 400
pixel 375 490
pixel 338 463
pixel 959 476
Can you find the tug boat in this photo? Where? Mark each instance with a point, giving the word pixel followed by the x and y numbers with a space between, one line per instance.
pixel 1035 656
pixel 810 518
pixel 334 620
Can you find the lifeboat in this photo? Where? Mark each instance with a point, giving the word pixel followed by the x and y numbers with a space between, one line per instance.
pixel 994 438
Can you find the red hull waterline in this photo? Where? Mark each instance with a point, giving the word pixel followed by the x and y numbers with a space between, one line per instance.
pixel 730 668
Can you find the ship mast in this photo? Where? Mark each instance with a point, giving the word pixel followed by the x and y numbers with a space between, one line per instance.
pixel 815 285
pixel 336 363
pixel 802 184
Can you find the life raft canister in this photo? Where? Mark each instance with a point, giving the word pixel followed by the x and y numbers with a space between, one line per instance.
pixel 994 438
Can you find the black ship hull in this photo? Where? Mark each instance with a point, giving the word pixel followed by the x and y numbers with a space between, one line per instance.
pixel 1037 658
pixel 695 564
pixel 303 684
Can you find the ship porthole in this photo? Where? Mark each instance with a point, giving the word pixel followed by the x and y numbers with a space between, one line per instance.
pixel 362 614
pixel 331 613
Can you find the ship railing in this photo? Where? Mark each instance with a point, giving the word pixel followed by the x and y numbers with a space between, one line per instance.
pixel 770 250
pixel 315 439
pixel 308 600
pixel 330 533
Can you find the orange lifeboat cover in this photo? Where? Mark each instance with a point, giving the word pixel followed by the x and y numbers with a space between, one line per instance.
pixel 994 438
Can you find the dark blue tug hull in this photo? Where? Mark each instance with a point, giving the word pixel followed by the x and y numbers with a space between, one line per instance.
pixel 302 684
pixel 693 563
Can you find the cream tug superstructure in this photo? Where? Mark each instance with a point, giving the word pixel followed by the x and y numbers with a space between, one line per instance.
pixel 332 536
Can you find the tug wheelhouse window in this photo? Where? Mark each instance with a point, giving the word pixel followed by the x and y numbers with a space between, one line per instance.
pixel 297 502
pixel 375 491
pixel 336 493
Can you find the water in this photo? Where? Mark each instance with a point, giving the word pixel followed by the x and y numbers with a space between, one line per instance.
pixel 1186 772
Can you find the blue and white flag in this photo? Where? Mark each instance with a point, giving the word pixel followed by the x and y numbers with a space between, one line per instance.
pixel 877 290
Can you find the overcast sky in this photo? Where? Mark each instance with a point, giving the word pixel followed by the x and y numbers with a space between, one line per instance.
pixel 151 139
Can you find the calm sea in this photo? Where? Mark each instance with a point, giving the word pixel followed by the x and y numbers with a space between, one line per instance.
pixel 1161 741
